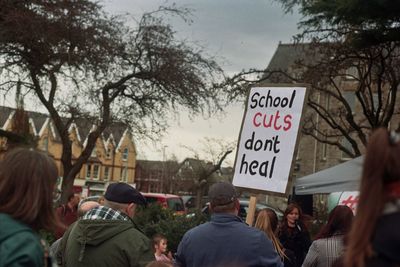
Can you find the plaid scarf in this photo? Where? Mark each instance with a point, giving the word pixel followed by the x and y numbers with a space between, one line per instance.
pixel 105 213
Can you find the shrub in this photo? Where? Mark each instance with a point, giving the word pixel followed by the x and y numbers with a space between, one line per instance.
pixel 156 220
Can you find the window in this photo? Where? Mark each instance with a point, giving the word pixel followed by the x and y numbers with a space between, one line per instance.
pixel 96 171
pixel 108 153
pixel 298 152
pixel 350 98
pixel 125 154
pixel 124 174
pixel 45 144
pixel 327 102
pixel 106 173
pixel 352 73
pixel 347 145
pixel 93 154
pixel 324 151
pixel 88 171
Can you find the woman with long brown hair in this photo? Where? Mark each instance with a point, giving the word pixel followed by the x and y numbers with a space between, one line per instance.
pixel 267 221
pixel 27 179
pixel 293 233
pixel 328 244
pixel 374 239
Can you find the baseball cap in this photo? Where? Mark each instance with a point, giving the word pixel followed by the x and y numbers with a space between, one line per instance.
pixel 124 193
pixel 222 193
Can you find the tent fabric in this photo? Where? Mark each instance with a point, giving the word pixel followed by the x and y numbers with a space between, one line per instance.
pixel 342 177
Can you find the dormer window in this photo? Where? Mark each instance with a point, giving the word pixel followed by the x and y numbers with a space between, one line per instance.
pixel 94 153
pixel 45 144
pixel 108 153
pixel 125 154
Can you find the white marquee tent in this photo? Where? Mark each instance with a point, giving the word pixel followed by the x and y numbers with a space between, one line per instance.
pixel 342 177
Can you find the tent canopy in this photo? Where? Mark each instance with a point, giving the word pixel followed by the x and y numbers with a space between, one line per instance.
pixel 342 177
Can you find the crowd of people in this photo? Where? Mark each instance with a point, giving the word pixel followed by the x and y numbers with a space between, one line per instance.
pixel 94 234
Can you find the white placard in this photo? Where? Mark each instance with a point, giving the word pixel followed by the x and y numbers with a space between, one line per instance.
pixel 268 138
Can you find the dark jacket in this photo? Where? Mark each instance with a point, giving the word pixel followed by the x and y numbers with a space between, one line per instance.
pixel 19 244
pixel 226 241
pixel 104 243
pixel 297 241
pixel 386 241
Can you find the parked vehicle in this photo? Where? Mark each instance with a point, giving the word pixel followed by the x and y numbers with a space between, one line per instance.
pixel 173 202
pixel 244 207
pixel 189 201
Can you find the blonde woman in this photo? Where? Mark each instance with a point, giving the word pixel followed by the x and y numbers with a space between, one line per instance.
pixel 267 221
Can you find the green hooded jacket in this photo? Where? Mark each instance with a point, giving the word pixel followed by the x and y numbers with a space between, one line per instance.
pixel 100 243
pixel 19 244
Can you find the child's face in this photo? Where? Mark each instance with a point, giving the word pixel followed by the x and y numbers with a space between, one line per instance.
pixel 162 246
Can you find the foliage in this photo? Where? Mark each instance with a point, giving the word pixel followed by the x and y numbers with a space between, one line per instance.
pixel 366 23
pixel 156 220
pixel 82 63
pixel 203 172
pixel 351 65
pixel 49 237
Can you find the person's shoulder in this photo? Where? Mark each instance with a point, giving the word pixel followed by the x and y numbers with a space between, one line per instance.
pixel 24 247
pixel 14 226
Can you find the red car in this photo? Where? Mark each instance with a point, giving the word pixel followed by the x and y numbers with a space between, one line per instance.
pixel 172 202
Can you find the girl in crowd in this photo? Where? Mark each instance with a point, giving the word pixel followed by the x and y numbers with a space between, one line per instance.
pixel 293 234
pixel 27 180
pixel 160 248
pixel 328 244
pixel 267 221
pixel 374 239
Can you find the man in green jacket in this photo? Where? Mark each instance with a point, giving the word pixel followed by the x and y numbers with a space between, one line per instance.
pixel 106 235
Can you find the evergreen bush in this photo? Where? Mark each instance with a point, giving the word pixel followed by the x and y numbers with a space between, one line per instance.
pixel 156 220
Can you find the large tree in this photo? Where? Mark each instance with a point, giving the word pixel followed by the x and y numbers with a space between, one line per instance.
pixel 205 167
pixel 350 47
pixel 80 61
pixel 366 23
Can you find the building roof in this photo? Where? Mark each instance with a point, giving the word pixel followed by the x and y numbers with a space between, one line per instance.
pixel 285 57
pixel 84 126
pixel 155 164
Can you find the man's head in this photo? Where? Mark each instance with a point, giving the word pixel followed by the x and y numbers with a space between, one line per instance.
pixel 223 198
pixel 73 200
pixel 123 197
pixel 86 206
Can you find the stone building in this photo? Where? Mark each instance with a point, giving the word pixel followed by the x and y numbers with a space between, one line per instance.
pixel 312 155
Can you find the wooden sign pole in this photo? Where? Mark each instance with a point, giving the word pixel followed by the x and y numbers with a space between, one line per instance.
pixel 251 211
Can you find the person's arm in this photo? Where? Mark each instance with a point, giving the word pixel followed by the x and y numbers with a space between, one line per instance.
pixel 306 240
pixel 179 260
pixel 22 249
pixel 312 256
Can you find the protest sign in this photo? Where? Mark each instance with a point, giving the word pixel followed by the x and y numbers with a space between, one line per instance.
pixel 268 138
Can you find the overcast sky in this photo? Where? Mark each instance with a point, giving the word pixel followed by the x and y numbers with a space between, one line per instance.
pixel 242 34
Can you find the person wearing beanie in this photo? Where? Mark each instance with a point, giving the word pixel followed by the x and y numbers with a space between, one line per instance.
pixel 107 235
pixel 226 240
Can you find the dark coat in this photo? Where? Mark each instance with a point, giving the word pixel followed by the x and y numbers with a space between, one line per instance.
pixel 386 241
pixel 296 240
